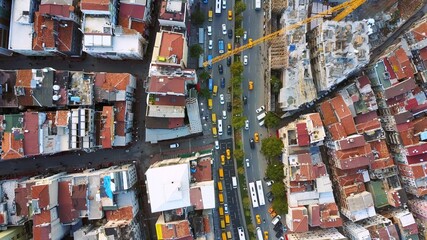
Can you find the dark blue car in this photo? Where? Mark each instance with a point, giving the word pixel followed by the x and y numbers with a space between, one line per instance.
pixel 222 82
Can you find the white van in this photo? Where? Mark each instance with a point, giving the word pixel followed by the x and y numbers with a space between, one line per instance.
pixel 276 219
pixel 234 181
pixel 261 116
pixel 219 127
pixel 224 114
pixel 174 145
pixel 224 4
pixel 261 123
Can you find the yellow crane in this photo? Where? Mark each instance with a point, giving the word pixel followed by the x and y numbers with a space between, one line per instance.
pixel 347 8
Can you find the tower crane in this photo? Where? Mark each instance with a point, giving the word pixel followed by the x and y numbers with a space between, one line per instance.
pixel 347 8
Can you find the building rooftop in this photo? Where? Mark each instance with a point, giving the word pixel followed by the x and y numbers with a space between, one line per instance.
pixel 323 234
pixel 32 121
pixel 168 85
pixel 172 10
pixel 170 192
pixel 97 5
pixel 169 47
pixel 175 229
pixel 61 8
pixel 21 27
pixel 80 91
pixel 8 98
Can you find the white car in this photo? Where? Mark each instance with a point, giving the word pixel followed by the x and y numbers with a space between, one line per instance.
pixel 221 99
pixel 260 109
pixel 210 46
pixel 245 35
pixel 217 144
pixel 225 207
pixel 269 183
pixel 248 164
pixel 224 29
pixel 245 60
pixel 209 30
pixel 247 124
pixel 224 114
pixel 224 4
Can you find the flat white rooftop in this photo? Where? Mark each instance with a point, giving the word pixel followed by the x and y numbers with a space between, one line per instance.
pixel 21 29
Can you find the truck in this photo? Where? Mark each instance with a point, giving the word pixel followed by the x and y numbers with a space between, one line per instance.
pixel 221 173
pixel 259 234
pixel 201 35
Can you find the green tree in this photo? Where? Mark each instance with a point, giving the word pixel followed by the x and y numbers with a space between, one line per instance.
pixel 236 80
pixel 278 189
pixel 275 172
pixel 280 206
pixel 238 121
pixel 204 92
pixel 250 228
pixel 276 84
pixel 204 75
pixel 246 201
pixel 271 147
pixel 239 7
pixel 238 19
pixel 271 120
pixel 195 50
pixel 198 17
pixel 239 31
pixel 236 68
pixel 238 154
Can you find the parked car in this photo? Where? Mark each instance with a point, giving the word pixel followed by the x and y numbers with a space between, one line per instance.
pixel 247 124
pixel 222 82
pixel 269 183
pixel 245 100
pixel 229 106
pixel 230 15
pixel 245 35
pixel 272 214
pixel 229 61
pixel 270 196
pixel 260 109
pixel 229 130
pixel 258 219
pixel 248 164
pixel 224 114
pixel 256 137
pixel 252 143
pixel 222 159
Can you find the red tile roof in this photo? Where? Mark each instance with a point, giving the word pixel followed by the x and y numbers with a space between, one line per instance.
pixel 416 150
pixel 389 68
pixel 169 100
pixel 315 118
pixel 315 215
pixel 41 233
pixel 420 32
pixel 42 218
pixel 327 113
pixel 348 125
pixel 340 107
pixel 196 199
pixel 351 142
pixel 299 220
pixel 329 216
pixel 423 53
pixel 57 10
pixel 113 81
pixel 12 148
pixel 204 171
pixel 79 195
pixel 176 229
pixel 363 81
pixel 172 44
pixel 124 213
pixel 22 197
pixel 41 192
pixel 350 179
pixel 302 134
pixel 67 213
pixel 166 84
pixel 400 88
pixel 380 146
pixel 31 133
pixel 405 63
pixel 107 126
pixel 50 34
pixel 414 171
pixel 132 10
pixel 61 118
pixel 354 157
pixel 100 5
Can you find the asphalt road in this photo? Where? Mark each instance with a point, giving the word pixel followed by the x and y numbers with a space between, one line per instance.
pixel 253 21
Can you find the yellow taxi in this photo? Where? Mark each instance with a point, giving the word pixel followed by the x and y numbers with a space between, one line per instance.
pixel 256 137
pixel 265 235
pixel 250 42
pixel 222 159
pixel 230 15
pixel 228 153
pixel 258 219
pixel 229 47
pixel 251 85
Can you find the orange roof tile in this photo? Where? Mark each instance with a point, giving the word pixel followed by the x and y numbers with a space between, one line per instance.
pixel 23 78
pixel 101 5
pixel 11 148
pixel 420 32
pixel 340 107
pixel 315 118
pixel 49 34
pixel 124 213
pixel 107 126
pixel 327 113
pixel 172 44
pixel 31 133
pixel 41 218
pixel 116 81
pixel 41 192
pixel 61 118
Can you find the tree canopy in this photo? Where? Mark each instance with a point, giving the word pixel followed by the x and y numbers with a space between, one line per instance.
pixel 236 68
pixel 271 147
pixel 271 120
pixel 275 172
pixel 276 84
pixel 195 50
pixel 198 17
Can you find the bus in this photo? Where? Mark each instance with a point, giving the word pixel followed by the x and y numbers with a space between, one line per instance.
pixel 257 4
pixel 259 234
pixel 241 233
pixel 201 35
pixel 210 84
pixel 201 60
pixel 218 6
pixel 221 46
pixel 260 191
pixel 253 195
